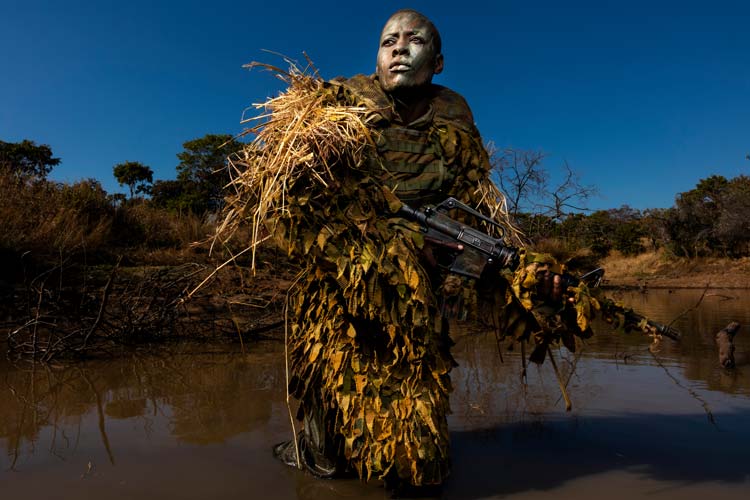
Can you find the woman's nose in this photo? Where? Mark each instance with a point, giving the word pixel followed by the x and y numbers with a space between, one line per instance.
pixel 401 46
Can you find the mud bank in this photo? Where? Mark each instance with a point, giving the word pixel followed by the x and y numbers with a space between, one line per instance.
pixel 658 270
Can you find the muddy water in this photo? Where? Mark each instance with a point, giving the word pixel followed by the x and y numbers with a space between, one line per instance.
pixel 194 422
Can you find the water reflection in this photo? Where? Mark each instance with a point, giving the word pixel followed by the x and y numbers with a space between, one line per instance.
pixel 197 421
pixel 202 396
pixel 699 314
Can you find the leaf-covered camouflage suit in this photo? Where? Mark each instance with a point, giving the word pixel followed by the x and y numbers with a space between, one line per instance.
pixel 369 351
pixel 330 167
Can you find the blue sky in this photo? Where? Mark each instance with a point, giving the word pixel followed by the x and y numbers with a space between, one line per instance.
pixel 642 99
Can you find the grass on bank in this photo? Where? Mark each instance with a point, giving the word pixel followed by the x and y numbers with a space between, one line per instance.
pixel 660 269
pixel 656 267
pixel 81 273
pixel 43 220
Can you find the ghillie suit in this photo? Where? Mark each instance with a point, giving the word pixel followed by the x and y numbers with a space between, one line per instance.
pixel 368 349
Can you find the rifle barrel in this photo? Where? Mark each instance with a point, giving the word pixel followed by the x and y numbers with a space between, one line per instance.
pixel 496 251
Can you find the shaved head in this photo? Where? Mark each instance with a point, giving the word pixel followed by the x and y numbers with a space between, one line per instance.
pixel 409 53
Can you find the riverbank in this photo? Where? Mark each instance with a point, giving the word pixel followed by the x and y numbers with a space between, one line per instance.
pixel 659 270
pixel 71 309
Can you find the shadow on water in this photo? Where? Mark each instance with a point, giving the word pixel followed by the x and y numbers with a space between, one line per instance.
pixel 522 457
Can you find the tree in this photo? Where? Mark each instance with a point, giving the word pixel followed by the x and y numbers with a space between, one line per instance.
pixel 26 160
pixel 732 228
pixel 535 204
pixel 628 230
pixel 569 195
pixel 521 177
pixel 176 195
pixel 691 221
pixel 712 218
pixel 655 226
pixel 135 175
pixel 203 170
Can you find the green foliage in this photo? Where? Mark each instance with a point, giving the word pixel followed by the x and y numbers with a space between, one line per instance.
pixel 732 228
pixel 26 160
pixel 536 226
pixel 627 230
pixel 202 174
pixel 168 194
pixel 712 219
pixel 180 196
pixel 594 231
pixel 135 175
pixel 618 229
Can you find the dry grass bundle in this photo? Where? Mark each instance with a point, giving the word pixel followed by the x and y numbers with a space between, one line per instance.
pixel 300 134
pixel 494 204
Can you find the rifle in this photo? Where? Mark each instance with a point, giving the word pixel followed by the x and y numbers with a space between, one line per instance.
pixel 470 252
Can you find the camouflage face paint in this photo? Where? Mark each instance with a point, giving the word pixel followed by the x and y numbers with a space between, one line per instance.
pixel 407 57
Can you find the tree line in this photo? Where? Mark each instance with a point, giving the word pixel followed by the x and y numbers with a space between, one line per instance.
pixel 202 175
pixel 712 219
pixel 159 220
